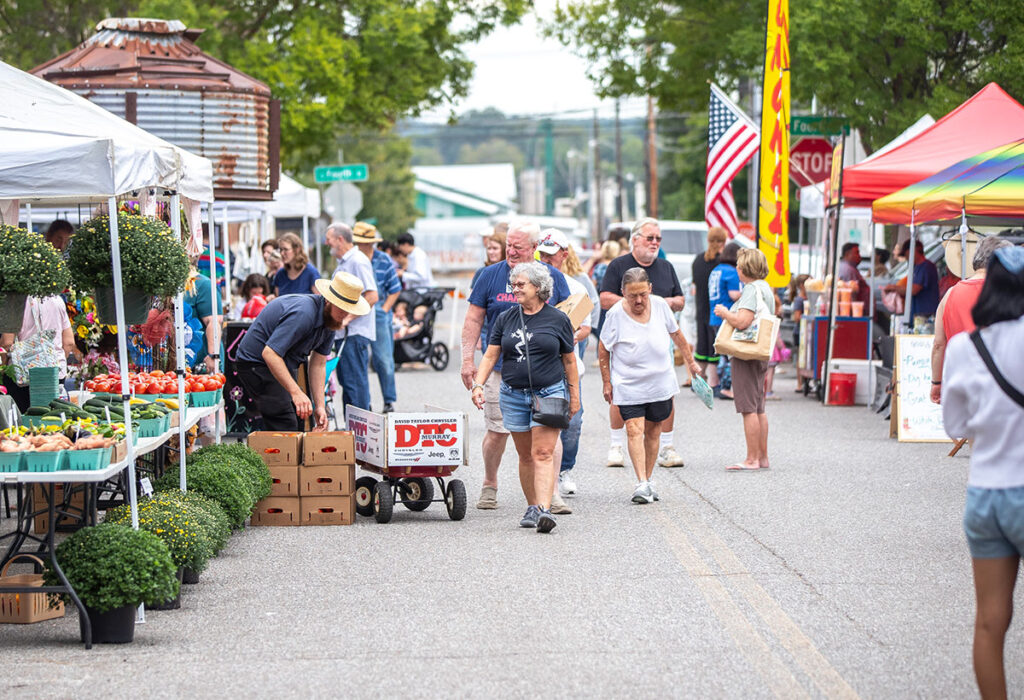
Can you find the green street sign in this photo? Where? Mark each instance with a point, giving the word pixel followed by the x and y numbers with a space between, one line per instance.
pixel 816 126
pixel 353 172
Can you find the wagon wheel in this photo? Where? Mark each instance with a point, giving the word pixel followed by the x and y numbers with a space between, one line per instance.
pixel 439 356
pixel 383 502
pixel 416 493
pixel 364 495
pixel 455 499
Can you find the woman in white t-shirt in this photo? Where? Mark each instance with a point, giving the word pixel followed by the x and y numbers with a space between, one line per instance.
pixel 638 374
pixel 990 411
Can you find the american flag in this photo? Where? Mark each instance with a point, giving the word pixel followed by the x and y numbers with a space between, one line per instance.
pixel 732 142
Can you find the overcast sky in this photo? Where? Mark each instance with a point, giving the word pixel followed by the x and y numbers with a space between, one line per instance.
pixel 521 72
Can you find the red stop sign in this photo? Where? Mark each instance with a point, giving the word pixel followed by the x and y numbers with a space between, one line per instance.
pixel 810 161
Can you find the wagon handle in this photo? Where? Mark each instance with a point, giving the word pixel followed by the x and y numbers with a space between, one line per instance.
pixel 33 557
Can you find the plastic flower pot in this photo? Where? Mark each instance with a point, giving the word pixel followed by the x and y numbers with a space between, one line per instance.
pixel 115 626
pixel 136 305
pixel 189 576
pixel 12 312
pixel 172 604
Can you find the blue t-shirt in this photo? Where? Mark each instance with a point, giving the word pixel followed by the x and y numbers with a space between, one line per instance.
pixel 303 284
pixel 723 279
pixel 493 293
pixel 293 326
pixel 926 301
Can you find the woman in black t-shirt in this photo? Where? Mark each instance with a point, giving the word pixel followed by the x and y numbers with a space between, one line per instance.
pixel 531 341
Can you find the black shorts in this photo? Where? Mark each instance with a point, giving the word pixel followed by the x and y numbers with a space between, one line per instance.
pixel 654 412
pixel 705 350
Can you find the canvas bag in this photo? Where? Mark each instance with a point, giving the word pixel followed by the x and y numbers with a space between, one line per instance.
pixel 37 351
pixel 755 342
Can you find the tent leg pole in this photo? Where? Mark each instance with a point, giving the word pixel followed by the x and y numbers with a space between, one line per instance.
pixel 179 346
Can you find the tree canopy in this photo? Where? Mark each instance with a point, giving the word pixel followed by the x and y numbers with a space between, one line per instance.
pixel 880 63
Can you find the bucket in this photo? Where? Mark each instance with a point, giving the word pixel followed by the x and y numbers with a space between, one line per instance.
pixel 842 388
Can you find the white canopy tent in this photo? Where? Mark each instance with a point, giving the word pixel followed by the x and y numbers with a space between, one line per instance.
pixel 57 147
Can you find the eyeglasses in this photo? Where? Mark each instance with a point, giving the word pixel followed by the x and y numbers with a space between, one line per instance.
pixel 519 285
pixel 652 239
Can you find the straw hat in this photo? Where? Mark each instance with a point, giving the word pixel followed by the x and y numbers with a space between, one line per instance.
pixel 952 246
pixel 346 292
pixel 363 232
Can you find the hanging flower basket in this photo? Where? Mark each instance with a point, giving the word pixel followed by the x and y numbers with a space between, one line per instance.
pixel 136 305
pixel 12 312
pixel 29 266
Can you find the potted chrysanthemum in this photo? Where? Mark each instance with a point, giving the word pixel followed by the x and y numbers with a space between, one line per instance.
pixel 29 266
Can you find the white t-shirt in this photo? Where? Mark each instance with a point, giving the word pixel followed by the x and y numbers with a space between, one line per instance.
pixel 642 371
pixel 973 405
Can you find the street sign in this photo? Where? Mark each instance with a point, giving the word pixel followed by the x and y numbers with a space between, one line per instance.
pixel 810 161
pixel 343 201
pixel 815 126
pixel 353 172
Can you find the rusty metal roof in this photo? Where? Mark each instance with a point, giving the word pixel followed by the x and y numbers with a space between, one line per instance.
pixel 132 52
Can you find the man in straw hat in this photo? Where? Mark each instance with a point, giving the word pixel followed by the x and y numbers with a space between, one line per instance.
pixel 282 338
pixel 360 332
pixel 382 348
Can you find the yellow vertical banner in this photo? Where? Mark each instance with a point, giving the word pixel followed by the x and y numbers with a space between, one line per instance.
pixel 773 218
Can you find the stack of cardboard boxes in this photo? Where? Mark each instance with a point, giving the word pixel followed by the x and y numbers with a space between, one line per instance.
pixel 314 477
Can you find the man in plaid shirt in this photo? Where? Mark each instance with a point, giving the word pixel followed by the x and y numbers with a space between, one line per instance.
pixel 382 350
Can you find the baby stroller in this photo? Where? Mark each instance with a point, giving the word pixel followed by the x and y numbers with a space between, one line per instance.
pixel 420 346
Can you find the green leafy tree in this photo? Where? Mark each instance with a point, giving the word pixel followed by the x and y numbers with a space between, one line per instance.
pixel 492 151
pixel 389 195
pixel 880 63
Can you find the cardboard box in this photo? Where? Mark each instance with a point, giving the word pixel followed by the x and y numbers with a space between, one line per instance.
pixel 328 510
pixel 577 307
pixel 286 481
pixel 76 506
pixel 328 449
pixel 277 511
pixel 337 480
pixel 277 449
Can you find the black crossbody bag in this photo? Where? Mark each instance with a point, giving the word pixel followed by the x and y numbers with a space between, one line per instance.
pixel 552 411
pixel 986 357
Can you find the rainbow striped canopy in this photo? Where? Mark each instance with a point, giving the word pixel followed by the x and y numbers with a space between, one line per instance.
pixel 990 185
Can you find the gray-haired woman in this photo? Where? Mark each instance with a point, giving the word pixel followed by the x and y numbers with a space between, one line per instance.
pixel 544 334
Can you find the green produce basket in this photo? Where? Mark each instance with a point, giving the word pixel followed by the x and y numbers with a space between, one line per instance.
pixel 11 462
pixel 204 399
pixel 149 427
pixel 44 461
pixel 88 460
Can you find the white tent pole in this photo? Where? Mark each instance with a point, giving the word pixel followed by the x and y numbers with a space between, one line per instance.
pixel 179 345
pixel 908 320
pixel 28 217
pixel 227 261
pixel 963 242
pixel 122 356
pixel 305 233
pixel 215 327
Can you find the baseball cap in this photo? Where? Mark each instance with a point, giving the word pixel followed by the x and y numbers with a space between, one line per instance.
pixel 551 241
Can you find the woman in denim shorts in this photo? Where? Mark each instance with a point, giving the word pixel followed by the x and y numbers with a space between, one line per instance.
pixel 532 325
pixel 984 400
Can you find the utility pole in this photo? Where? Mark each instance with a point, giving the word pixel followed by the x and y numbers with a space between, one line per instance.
pixel 619 193
pixel 598 211
pixel 652 162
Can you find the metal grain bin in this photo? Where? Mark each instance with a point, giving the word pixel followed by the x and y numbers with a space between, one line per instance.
pixel 150 72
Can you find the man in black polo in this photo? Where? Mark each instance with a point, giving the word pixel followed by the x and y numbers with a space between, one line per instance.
pixel 283 336
pixel 644 242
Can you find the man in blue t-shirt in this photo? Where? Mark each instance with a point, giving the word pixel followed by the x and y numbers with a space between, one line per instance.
pixel 490 297
pixel 723 288
pixel 924 292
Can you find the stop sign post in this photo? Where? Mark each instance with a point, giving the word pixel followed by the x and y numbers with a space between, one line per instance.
pixel 810 161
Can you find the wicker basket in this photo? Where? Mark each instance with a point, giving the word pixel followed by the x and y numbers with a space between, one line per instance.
pixel 25 607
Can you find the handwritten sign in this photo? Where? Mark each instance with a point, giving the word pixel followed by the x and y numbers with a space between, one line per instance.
pixel 918 419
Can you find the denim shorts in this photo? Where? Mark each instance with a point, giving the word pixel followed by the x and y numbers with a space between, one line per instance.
pixel 517 405
pixel 994 522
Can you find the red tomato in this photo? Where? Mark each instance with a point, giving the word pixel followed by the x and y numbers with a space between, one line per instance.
pixel 154 388
pixel 90 385
pixel 100 387
pixel 114 387
pixel 170 375
pixel 156 373
pixel 210 385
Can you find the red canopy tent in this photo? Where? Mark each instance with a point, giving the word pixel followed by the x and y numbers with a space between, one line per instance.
pixel 990 118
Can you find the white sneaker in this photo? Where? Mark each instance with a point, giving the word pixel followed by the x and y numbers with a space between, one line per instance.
pixel 668 457
pixel 615 457
pixel 567 483
pixel 654 494
pixel 642 494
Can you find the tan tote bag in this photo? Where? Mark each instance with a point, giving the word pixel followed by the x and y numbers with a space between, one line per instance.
pixel 756 341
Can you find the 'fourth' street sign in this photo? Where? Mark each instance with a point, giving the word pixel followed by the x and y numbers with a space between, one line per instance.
pixel 810 161
pixel 355 172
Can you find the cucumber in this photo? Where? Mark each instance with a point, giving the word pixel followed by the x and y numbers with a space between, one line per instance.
pixel 37 411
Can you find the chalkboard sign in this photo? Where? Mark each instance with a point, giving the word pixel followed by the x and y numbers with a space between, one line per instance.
pixel 917 418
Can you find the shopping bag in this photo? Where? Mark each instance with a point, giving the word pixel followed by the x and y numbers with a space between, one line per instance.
pixel 755 342
pixel 703 391
pixel 37 351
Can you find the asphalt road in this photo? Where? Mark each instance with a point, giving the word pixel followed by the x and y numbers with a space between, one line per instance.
pixel 840 572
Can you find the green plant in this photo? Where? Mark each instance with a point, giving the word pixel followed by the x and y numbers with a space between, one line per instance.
pixel 111 566
pixel 29 265
pixel 219 483
pixel 177 524
pixel 209 514
pixel 238 457
pixel 152 259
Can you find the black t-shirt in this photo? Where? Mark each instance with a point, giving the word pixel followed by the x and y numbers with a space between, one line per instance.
pixel 549 332
pixel 701 272
pixel 664 281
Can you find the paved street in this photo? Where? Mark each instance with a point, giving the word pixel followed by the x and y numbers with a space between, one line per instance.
pixel 841 572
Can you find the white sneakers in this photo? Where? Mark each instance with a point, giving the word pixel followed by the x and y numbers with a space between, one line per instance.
pixel 615 457
pixel 566 483
pixel 643 493
pixel 668 457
